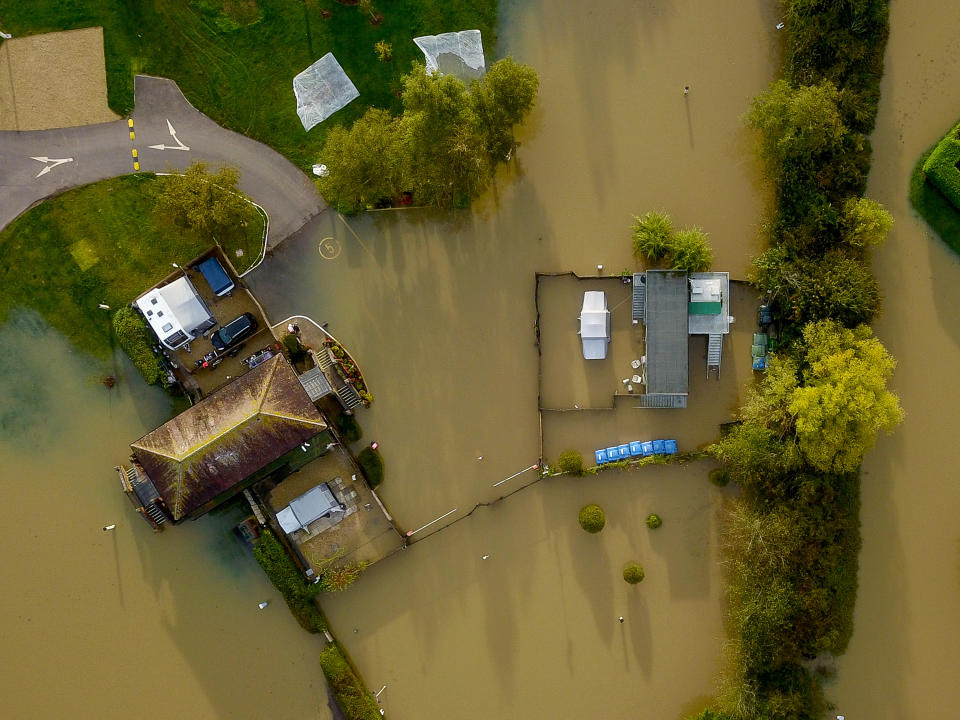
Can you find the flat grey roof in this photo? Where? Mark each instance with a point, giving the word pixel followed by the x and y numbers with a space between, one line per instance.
pixel 665 319
pixel 713 324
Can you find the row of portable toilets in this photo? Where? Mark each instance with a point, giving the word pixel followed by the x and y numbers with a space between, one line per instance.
pixel 636 449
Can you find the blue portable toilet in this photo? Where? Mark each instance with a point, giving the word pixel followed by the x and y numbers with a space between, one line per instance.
pixel 658 447
pixel 648 448
pixel 670 447
pixel 613 454
pixel 636 448
pixel 601 456
pixel 623 452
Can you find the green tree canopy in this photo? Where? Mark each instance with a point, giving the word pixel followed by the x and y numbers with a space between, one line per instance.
pixel 843 402
pixel 208 203
pixel 690 251
pixel 797 122
pixel 366 162
pixel 865 222
pixel 501 100
pixel 652 235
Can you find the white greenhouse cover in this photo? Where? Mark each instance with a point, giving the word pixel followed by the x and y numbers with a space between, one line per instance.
pixel 321 90
pixel 439 50
pixel 594 325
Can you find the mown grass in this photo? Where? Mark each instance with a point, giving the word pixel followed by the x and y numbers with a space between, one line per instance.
pixel 100 243
pixel 243 77
pixel 933 207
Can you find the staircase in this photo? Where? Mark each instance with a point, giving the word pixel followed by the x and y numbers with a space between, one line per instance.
pixel 661 400
pixel 323 359
pixel 154 513
pixel 714 350
pixel 639 296
pixel 348 396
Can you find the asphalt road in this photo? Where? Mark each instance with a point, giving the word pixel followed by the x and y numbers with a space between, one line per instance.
pixel 96 152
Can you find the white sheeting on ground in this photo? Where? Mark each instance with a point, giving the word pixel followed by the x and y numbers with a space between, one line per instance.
pixel 321 90
pixel 312 505
pixel 594 325
pixel 466 45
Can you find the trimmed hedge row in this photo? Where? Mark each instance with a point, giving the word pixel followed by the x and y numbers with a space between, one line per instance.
pixel 355 701
pixel 941 169
pixel 289 581
pixel 135 340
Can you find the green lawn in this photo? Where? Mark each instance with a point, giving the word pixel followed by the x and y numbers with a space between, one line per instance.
pixel 242 75
pixel 933 207
pixel 101 243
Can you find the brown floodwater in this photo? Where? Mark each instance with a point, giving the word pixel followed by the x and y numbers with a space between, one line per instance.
pixel 905 653
pixel 439 312
pixel 105 624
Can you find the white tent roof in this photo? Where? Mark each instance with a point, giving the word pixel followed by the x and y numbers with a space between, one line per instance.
pixel 321 90
pixel 312 505
pixel 594 325
pixel 456 53
pixel 175 308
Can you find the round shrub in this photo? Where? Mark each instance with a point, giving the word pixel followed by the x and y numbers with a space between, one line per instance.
pixel 719 477
pixel 633 573
pixel 570 461
pixel 592 518
pixel 349 428
pixel 654 521
pixel 371 463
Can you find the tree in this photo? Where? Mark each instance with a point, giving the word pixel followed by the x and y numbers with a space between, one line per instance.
pixel 797 122
pixel 592 518
pixel 843 402
pixel 633 573
pixel 366 162
pixel 209 203
pixel 689 251
pixel 652 236
pixel 501 100
pixel 653 521
pixel 865 222
pixel 570 461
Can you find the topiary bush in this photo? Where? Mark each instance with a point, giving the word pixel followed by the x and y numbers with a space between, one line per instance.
pixel 570 461
pixel 592 518
pixel 654 521
pixel 136 341
pixel 633 573
pixel 294 349
pixel 349 428
pixel 371 463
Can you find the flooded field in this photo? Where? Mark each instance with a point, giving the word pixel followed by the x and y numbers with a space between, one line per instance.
pixel 439 312
pixel 903 660
pixel 99 624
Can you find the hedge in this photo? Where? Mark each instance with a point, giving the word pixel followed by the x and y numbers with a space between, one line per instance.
pixel 371 463
pixel 355 701
pixel 136 341
pixel 941 169
pixel 290 582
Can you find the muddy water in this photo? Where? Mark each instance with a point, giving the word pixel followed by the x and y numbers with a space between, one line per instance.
pixel 903 660
pixel 439 313
pixel 101 624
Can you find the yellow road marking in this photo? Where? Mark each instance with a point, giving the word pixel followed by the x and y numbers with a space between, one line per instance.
pixel 134 152
pixel 130 122
pixel 136 166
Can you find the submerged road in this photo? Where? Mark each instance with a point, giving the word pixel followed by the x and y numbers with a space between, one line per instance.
pixel 170 134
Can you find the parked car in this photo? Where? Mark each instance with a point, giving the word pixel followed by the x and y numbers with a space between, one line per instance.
pixel 234 332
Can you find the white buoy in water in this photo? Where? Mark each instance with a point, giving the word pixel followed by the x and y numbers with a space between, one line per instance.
pixel 263 604
pixel 108 527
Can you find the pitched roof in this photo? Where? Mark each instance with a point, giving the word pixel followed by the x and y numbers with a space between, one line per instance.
pixel 228 436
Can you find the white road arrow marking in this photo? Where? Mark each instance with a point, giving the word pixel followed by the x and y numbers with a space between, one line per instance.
pixel 50 163
pixel 173 134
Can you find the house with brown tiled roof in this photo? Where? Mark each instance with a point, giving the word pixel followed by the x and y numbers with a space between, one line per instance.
pixel 222 444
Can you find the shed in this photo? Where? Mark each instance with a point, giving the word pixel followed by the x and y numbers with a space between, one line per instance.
pixel 314 504
pixel 594 325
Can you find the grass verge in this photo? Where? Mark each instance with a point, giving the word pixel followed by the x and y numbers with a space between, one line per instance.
pixel 227 57
pixel 933 207
pixel 100 243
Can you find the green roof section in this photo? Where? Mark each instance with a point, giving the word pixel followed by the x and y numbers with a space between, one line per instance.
pixel 705 308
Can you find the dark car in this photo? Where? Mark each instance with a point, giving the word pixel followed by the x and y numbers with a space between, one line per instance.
pixel 234 332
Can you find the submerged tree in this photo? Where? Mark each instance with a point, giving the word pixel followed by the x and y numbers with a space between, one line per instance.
pixel 501 100
pixel 690 251
pixel 652 235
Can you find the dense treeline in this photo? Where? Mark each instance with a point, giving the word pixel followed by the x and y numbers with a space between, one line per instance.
pixel 792 536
